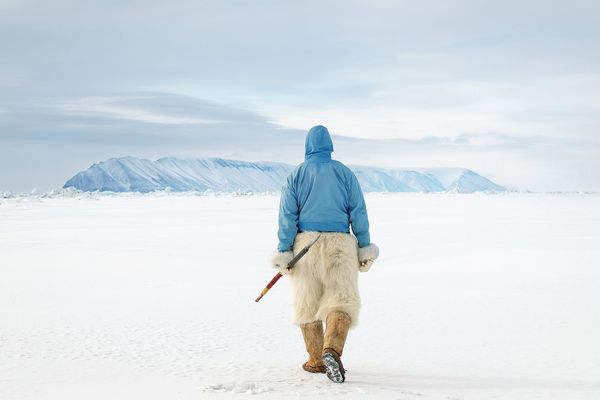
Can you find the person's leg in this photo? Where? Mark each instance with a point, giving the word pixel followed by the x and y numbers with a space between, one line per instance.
pixel 312 333
pixel 306 294
pixel 338 323
pixel 340 302
pixel 339 277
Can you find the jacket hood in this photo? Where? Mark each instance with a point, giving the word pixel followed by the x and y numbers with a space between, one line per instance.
pixel 318 144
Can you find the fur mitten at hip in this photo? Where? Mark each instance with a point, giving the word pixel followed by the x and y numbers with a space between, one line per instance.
pixel 280 261
pixel 366 256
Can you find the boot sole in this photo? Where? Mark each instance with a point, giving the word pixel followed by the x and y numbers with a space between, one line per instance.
pixel 334 368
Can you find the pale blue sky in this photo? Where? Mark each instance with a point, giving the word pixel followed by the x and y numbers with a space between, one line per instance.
pixel 509 89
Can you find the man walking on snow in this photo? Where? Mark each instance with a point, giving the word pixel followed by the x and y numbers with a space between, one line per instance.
pixel 323 196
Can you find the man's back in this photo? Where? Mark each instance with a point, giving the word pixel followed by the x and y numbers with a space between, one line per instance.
pixel 322 195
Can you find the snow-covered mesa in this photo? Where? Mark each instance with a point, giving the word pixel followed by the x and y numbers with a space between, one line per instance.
pixel 130 174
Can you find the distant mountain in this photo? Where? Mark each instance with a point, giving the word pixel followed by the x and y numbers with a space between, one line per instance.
pixel 374 179
pixel 463 180
pixel 130 174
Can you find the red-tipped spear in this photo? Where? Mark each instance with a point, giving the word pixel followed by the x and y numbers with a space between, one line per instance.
pixel 289 266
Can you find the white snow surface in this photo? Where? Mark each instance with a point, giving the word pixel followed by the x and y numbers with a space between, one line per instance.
pixel 152 297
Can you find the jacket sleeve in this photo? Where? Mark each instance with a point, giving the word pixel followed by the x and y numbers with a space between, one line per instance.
pixel 288 216
pixel 359 220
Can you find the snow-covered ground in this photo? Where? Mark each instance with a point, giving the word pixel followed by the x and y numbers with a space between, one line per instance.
pixel 152 297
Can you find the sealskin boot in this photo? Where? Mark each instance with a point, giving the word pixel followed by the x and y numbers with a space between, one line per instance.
pixel 313 339
pixel 338 323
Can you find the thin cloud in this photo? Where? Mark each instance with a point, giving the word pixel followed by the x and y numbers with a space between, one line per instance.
pixel 109 108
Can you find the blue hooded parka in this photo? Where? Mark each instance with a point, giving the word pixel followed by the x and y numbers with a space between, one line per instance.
pixel 321 195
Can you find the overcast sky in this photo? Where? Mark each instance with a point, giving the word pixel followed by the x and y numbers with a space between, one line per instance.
pixel 508 89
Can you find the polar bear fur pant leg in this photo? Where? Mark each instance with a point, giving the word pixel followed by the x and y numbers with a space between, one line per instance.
pixel 326 278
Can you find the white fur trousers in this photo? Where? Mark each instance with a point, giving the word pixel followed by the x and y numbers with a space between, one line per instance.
pixel 326 278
